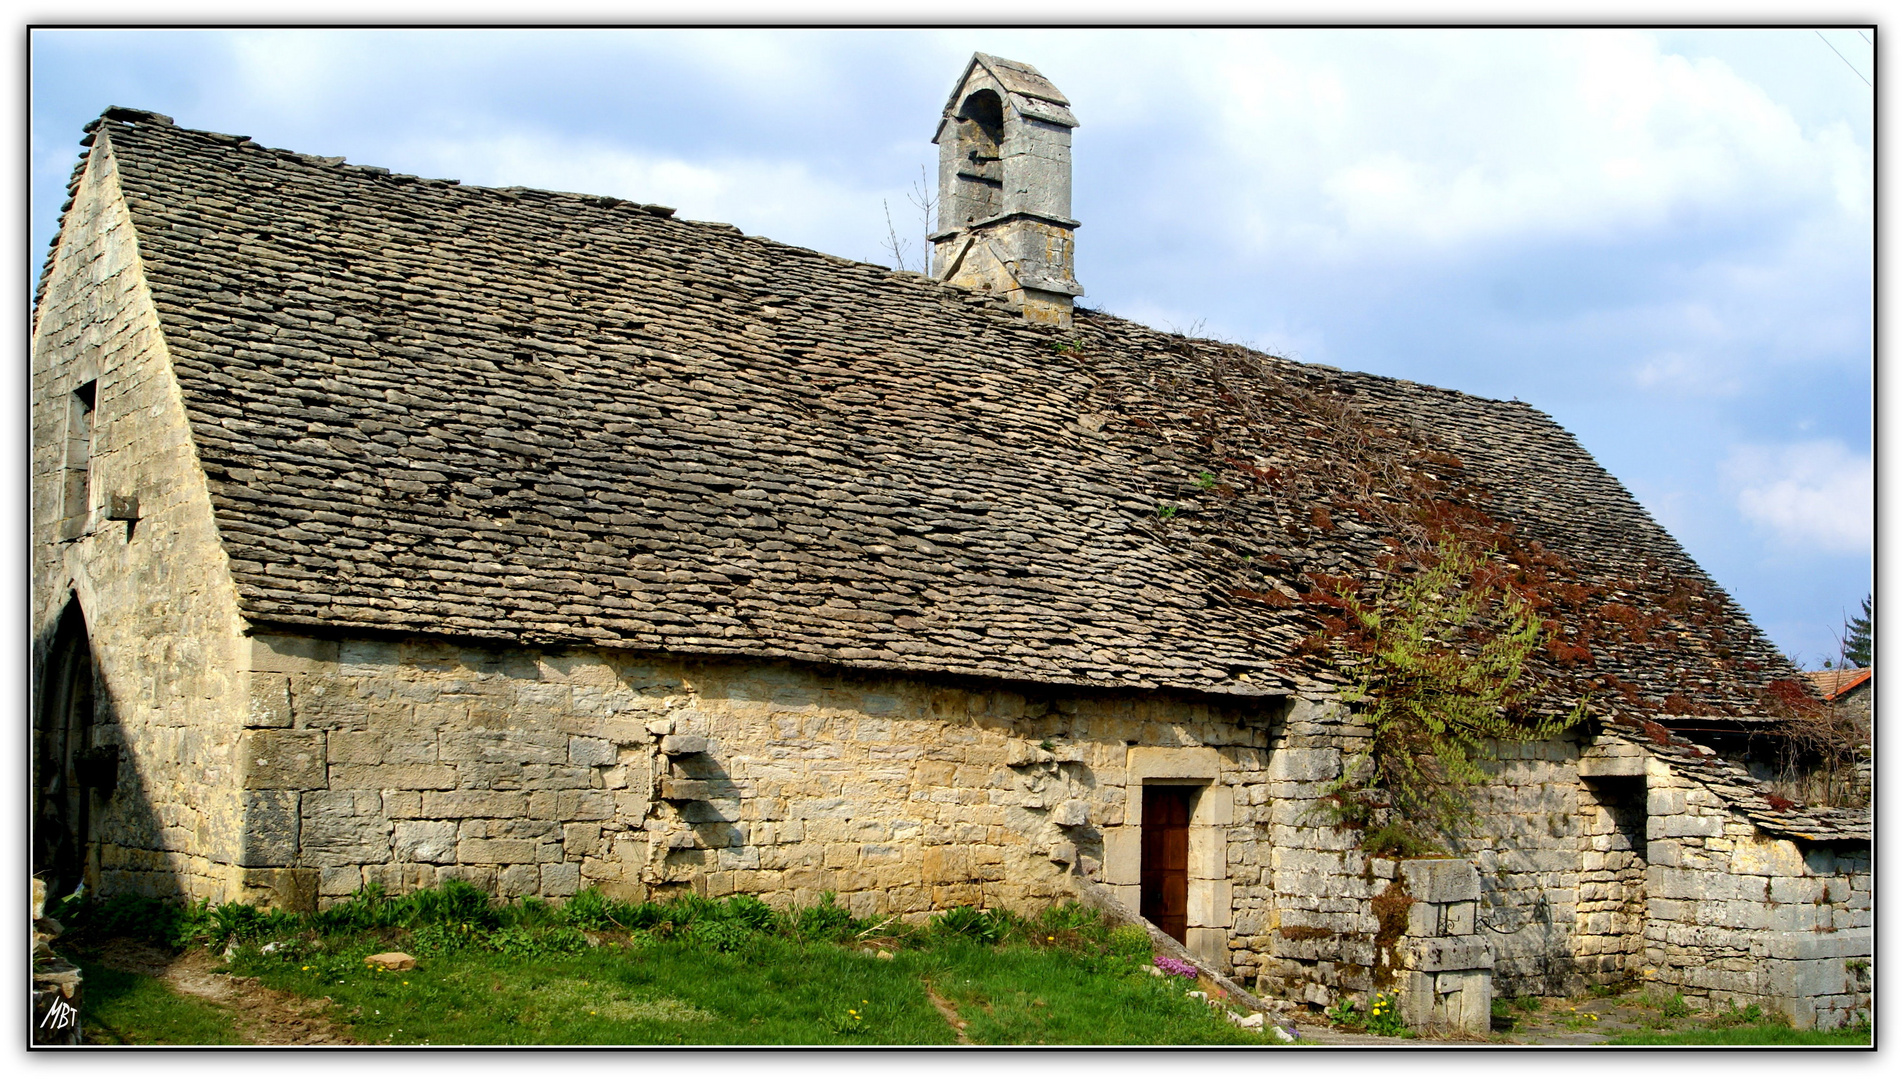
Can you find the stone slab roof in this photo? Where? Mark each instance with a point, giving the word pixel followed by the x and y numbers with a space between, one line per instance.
pixel 1748 796
pixel 540 417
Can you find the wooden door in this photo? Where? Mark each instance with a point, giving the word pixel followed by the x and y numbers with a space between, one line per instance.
pixel 1165 892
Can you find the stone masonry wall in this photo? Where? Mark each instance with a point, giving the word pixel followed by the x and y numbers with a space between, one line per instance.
pixel 409 762
pixel 159 605
pixel 1318 936
pixel 1734 915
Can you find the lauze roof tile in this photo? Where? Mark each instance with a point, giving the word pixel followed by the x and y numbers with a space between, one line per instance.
pixel 539 417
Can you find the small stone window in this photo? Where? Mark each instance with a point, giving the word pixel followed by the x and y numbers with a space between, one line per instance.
pixel 79 460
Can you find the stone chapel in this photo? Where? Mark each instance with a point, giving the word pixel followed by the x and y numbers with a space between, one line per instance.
pixel 391 530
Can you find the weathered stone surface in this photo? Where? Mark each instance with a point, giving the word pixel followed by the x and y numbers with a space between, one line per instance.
pixel 271 833
pixel 1441 881
pixel 683 745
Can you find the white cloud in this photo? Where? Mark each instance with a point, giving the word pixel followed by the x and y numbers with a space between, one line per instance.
pixel 1815 494
pixel 1687 373
pixel 1440 139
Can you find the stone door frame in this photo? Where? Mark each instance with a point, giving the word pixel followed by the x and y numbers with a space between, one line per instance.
pixel 1210 916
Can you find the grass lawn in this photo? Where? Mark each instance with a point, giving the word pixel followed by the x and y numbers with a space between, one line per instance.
pixel 1747 1035
pixel 119 1008
pixel 689 971
pixel 768 991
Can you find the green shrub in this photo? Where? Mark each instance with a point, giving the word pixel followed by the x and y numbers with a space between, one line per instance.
pixel 444 939
pixel 824 921
pixel 590 910
pixel 752 913
pixel 988 926
pixel 1384 1017
pixel 1734 1016
pixel 1070 915
pixel 1130 942
pixel 525 943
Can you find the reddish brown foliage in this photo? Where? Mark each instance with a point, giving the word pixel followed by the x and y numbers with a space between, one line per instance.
pixel 1790 694
pixel 1678 705
pixel 1657 732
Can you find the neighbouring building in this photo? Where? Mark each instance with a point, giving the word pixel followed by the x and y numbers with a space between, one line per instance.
pixel 388 530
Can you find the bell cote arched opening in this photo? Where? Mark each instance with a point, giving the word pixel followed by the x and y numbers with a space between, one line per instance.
pixel 1005 223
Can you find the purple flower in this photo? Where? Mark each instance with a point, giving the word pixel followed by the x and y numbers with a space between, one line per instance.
pixel 1172 966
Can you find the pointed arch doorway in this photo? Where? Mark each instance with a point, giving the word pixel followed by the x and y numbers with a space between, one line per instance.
pixel 63 756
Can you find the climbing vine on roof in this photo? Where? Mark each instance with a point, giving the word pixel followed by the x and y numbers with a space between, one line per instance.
pixel 1443 683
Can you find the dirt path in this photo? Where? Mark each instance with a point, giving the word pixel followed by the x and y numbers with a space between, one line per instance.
pixel 261 1016
pixel 946 1010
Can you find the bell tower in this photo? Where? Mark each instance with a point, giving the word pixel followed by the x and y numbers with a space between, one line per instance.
pixel 1005 223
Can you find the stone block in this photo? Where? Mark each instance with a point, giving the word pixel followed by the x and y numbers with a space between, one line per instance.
pixel 519 880
pixel 1167 763
pixel 342 827
pixel 284 889
pixel 270 701
pixel 677 790
pixel 475 804
pixel 1208 855
pixel 1210 903
pixel 1215 807
pixel 1441 881
pixel 288 653
pixel 1813 945
pixel 425 841
pixel 1123 856
pixel 1669 826
pixel 561 879
pixel 591 752
pixel 683 745
pixel 946 864
pixel 1610 761
pixel 1780 858
pixel 1448 954
pixel 270 833
pixel 1289 764
pixel 1664 802
pixel 339 880
pixel 1210 945
pixel 495 851
pixel 1460 918
pixel 393 777
pixel 354 748
pixel 572 805
pixel 278 758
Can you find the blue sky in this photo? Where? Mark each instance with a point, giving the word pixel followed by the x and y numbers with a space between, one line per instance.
pixel 1663 239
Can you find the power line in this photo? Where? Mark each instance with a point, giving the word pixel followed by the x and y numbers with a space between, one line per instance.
pixel 1841 56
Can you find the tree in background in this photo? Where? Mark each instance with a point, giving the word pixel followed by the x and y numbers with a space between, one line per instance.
pixel 1854 645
